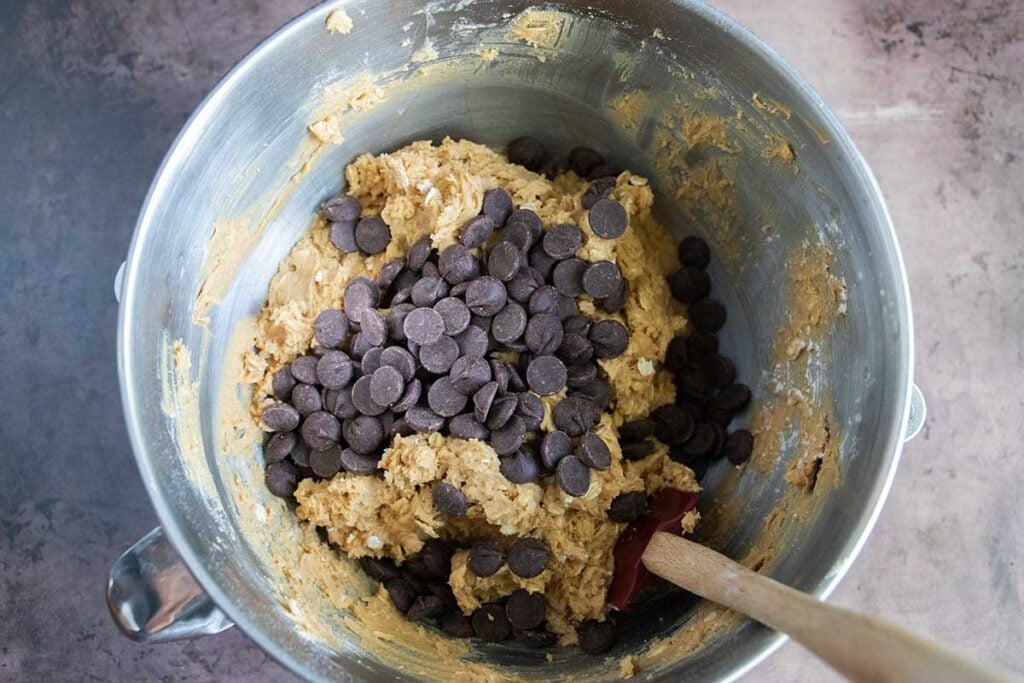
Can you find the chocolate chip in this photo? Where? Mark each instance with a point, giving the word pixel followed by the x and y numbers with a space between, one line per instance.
pixel 423 420
pixel 598 390
pixel 531 409
pixel 575 349
pixel 562 241
pixel 537 638
pixel 637 451
pixel 455 315
pixel 396 320
pixel 477 229
pixel 485 558
pixel 423 325
pixel 372 234
pixel 466 426
pixel 437 557
pixel 364 434
pixel 321 430
pixel 541 262
pixel 504 261
pixel 399 359
pixel 515 380
pixel 520 467
pixel 601 279
pixel 482 400
pixel 444 399
pixel 326 463
pixel 360 294
pixel 280 478
pixel 689 284
pixel 519 235
pixel 597 190
pixel 528 218
pixel 283 383
pixel 486 296
pixel 594 452
pixel 409 397
pixel 627 507
pixel 341 209
pixel 545 299
pixel 701 344
pixel 419 253
pixel 362 397
pixel 502 410
pixel 359 463
pixel 490 623
pixel 602 171
pixel 359 346
pixel 307 399
pixel 334 369
pixel 279 447
pixel 738 446
pixel 279 417
pixel 582 160
pixel 580 375
pixel 617 301
pixel 304 369
pixel 343 237
pixel 457 264
pixel 607 219
pixel 389 272
pixel 330 328
pixel 578 324
pixel 636 430
pixel 544 333
pixel 449 500
pixel 693 251
pixel 528 557
pixel 568 276
pixel 379 569
pixel 597 637
pixel 574 415
pixel 428 291
pixel 697 409
pixel 567 307
pixel 553 447
pixel 672 425
pixel 497 205
pixel 402 594
pixel 732 398
pixel 509 437
pixel 708 314
pixel 719 370
pixel 701 442
pixel 546 375
pixel 509 324
pixel 455 624
pixel 524 284
pixel 692 381
pixel 676 354
pixel 525 610
pixel 371 360
pixel 439 356
pixel 425 607
pixel 609 338
pixel 572 476
pixel 528 152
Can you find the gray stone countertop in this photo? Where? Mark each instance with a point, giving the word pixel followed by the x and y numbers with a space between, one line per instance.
pixel 93 92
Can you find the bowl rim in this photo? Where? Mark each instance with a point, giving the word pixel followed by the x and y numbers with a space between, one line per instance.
pixel 190 133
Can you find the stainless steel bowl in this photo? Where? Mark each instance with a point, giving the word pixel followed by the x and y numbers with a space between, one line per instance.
pixel 234 154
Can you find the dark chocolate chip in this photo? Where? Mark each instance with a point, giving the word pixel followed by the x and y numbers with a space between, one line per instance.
pixel 279 446
pixel 373 327
pixel 485 557
pixel 361 293
pixel 575 349
pixel 449 500
pixel 490 623
pixel 518 235
pixel 689 284
pixel 497 205
pixel 544 333
pixel 693 251
pixel 509 437
pixel 601 279
pixel 444 399
pixel 321 430
pixel 637 450
pixel 486 296
pixel 607 219
pixel 594 452
pixel 636 430
pixel 568 276
pixel 627 507
pixel 457 264
pixel 409 397
pixel 676 354
pixel 359 463
pixel 330 328
pixel 524 284
pixel 455 315
pixel 528 557
pixel 304 369
pixel 732 398
pixel 553 447
pixel 300 456
pixel 399 359
pixel 520 467
pixel 363 398
pixel 428 291
pixel 456 624
pixel 477 229
pixel 473 341
pixel 379 569
pixel 482 400
pixel 541 262
pixel 531 409
pixel 719 370
pixel 371 360
pixel 372 234
pixel 334 369
pixel 578 324
pixel 504 261
pixel 389 272
pixel 672 425
pixel 537 638
pixel 281 478
pixel 341 209
pixel 279 417
pixel 425 607
pixel 466 426
pixel 602 171
pixel 439 356
pixel 423 325
pixel 701 344
pixel 502 409
pixel 617 301
pixel 562 241
pixel 525 610
pixel 283 383
pixel 307 399
pixel 582 160
pixel 437 557
pixel 598 390
pixel 609 338
pixel 419 253
pixel 545 299
pixel 423 420
pixel 738 446
pixel 567 307
pixel 515 380
pixel 364 434
pixel 401 592
pixel 326 463
pixel 597 190
pixel 580 375
pixel 572 476
pixel 396 320
pixel 701 442
pixel 509 324
pixel 343 237
pixel 597 637
pixel 692 381
pixel 528 152
pixel 530 219
pixel 574 415
pixel 546 375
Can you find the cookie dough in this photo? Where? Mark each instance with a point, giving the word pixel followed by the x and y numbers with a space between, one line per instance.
pixel 426 189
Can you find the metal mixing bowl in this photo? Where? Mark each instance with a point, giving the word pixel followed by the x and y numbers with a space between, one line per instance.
pixel 235 151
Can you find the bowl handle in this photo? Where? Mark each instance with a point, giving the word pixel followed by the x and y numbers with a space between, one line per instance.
pixel 153 597
pixel 918 413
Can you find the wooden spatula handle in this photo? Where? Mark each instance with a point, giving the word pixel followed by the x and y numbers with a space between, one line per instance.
pixel 859 647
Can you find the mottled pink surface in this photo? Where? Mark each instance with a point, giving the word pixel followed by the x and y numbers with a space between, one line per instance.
pixel 930 91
